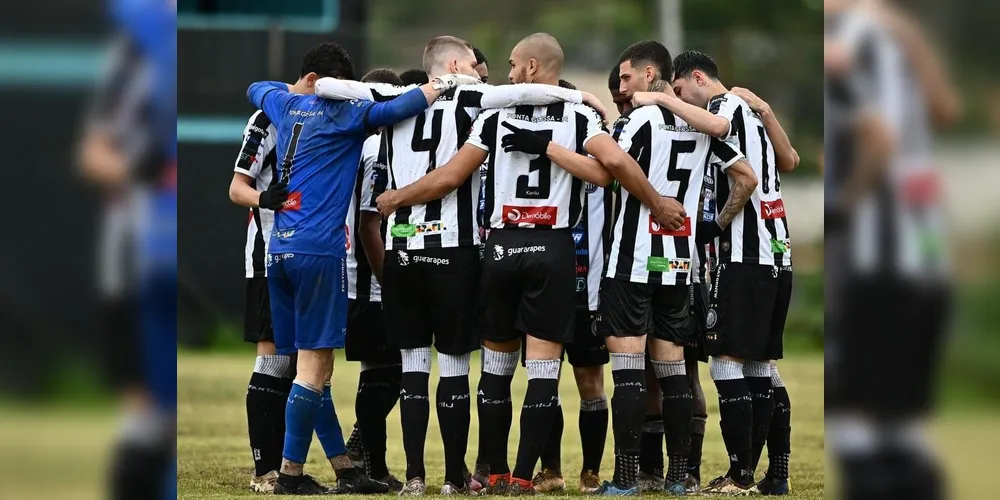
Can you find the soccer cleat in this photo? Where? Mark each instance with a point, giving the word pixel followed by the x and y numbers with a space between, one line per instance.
pixel 497 484
pixel 265 483
pixel 650 482
pixel 724 485
pixel 610 489
pixel 415 486
pixel 692 485
pixel 548 481
pixel 472 482
pixel 675 488
pixel 394 483
pixel 520 487
pixel 773 486
pixel 356 483
pixel 451 489
pixel 481 476
pixel 301 485
pixel 589 481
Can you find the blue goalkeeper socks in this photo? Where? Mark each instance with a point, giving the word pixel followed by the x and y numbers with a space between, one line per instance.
pixel 328 427
pixel 301 416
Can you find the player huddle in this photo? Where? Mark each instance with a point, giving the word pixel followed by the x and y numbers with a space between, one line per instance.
pixel 462 216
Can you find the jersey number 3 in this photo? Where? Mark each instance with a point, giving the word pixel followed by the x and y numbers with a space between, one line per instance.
pixel 543 166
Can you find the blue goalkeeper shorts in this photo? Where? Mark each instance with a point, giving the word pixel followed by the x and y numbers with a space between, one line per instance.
pixel 308 301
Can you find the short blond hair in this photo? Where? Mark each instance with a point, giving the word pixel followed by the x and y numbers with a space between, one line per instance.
pixel 440 46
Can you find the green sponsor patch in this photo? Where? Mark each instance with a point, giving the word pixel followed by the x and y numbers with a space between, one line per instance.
pixel 661 264
pixel 403 230
pixel 779 246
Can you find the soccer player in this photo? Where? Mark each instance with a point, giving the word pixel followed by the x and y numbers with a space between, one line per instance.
pixel 271 380
pixel 432 261
pixel 413 77
pixel 482 68
pixel 367 340
pixel 752 282
pixel 528 273
pixel 587 354
pixel 645 290
pixel 319 143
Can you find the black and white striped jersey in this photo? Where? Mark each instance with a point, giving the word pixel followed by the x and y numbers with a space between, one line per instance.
pixel 673 155
pixel 529 191
pixel 429 140
pixel 758 234
pixel 258 160
pixel 701 260
pixel 371 181
pixel 591 237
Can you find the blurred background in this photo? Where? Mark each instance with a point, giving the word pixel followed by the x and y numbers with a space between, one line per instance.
pixel 912 97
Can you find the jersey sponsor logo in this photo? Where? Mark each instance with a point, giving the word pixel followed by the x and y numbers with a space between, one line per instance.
pixel 497 252
pixel 577 236
pixel 534 119
pixel 294 201
pixel 436 261
pixel 263 133
pixel 581 284
pixel 667 265
pixel 529 215
pixel 772 209
pixel 284 234
pixel 273 258
pixel 403 258
pixel 247 158
pixel 581 269
pixel 582 251
pixel 421 229
pixel 590 187
pixel 520 250
pixel 781 246
pixel 712 318
pixel 657 229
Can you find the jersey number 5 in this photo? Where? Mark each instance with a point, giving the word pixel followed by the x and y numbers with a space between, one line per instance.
pixel 683 176
pixel 543 166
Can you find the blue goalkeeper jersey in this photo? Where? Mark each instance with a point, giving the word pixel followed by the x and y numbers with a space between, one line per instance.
pixel 319 150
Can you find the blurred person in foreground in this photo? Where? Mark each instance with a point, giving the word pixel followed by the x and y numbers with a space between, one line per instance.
pixel 322 142
pixel 129 150
pixel 888 304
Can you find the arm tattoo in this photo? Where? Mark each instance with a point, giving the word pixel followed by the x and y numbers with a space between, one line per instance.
pixel 737 199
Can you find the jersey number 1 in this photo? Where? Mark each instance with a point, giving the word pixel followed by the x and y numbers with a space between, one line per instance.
pixel 543 166
pixel 293 144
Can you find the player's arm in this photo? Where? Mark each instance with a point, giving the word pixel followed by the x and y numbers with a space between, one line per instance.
pixel 703 120
pixel 524 94
pixel 371 239
pixel 375 181
pixel 100 159
pixel 410 103
pixel 436 184
pixel 256 142
pixel 270 97
pixel 744 182
pixel 785 155
pixel 579 166
pixel 619 159
pixel 346 90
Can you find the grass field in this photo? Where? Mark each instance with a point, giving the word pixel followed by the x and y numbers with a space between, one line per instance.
pixel 213 452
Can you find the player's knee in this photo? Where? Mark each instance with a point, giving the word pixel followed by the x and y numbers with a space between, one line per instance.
pixel 627 345
pixel 508 346
pixel 266 348
pixel 315 367
pixel 590 381
pixel 536 348
pixel 662 350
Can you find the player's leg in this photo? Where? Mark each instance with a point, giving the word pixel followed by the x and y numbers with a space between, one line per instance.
pixel 403 301
pixel 694 353
pixel 651 444
pixel 378 387
pixel 267 391
pixel 546 314
pixel 731 338
pixel 778 432
pixel 453 278
pixel 499 296
pixel 626 312
pixel 549 477
pixel 588 354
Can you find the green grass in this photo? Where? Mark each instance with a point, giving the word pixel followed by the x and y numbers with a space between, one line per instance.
pixel 214 459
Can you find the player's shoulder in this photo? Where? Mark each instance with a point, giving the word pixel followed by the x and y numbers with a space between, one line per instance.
pixel 371 145
pixel 588 112
pixel 725 101
pixel 259 124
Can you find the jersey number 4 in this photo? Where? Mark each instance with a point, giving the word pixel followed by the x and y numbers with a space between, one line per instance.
pixel 429 144
pixel 543 166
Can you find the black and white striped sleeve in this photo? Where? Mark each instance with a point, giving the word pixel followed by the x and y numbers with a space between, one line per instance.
pixel 374 174
pixel 484 130
pixel 723 153
pixel 726 107
pixel 346 90
pixel 257 143
pixel 591 123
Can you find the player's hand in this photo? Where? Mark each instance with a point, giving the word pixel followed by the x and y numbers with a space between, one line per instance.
pixel 707 232
pixel 646 98
pixel 756 103
pixel 524 141
pixel 273 196
pixel 592 101
pixel 387 202
pixel 445 82
pixel 669 213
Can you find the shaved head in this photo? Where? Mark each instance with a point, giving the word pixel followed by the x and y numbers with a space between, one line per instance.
pixel 536 57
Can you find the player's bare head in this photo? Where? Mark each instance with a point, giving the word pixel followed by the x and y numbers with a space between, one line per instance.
pixel 537 58
pixel 414 77
pixel 447 54
pixel 696 77
pixel 324 60
pixel 641 64
pixel 482 65
pixel 623 103
pixel 382 75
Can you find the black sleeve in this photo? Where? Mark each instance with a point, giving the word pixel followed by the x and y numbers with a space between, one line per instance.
pixel 467 98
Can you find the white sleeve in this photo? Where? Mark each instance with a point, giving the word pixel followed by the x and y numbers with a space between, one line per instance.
pixel 369 179
pixel 484 130
pixel 524 94
pixel 725 106
pixel 346 90
pixel 257 142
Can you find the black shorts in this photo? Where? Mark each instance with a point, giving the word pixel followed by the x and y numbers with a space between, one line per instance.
pixel 257 318
pixel 366 334
pixel 528 285
pixel 588 348
pixel 695 349
pixel 429 298
pixel 748 305
pixel 634 309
